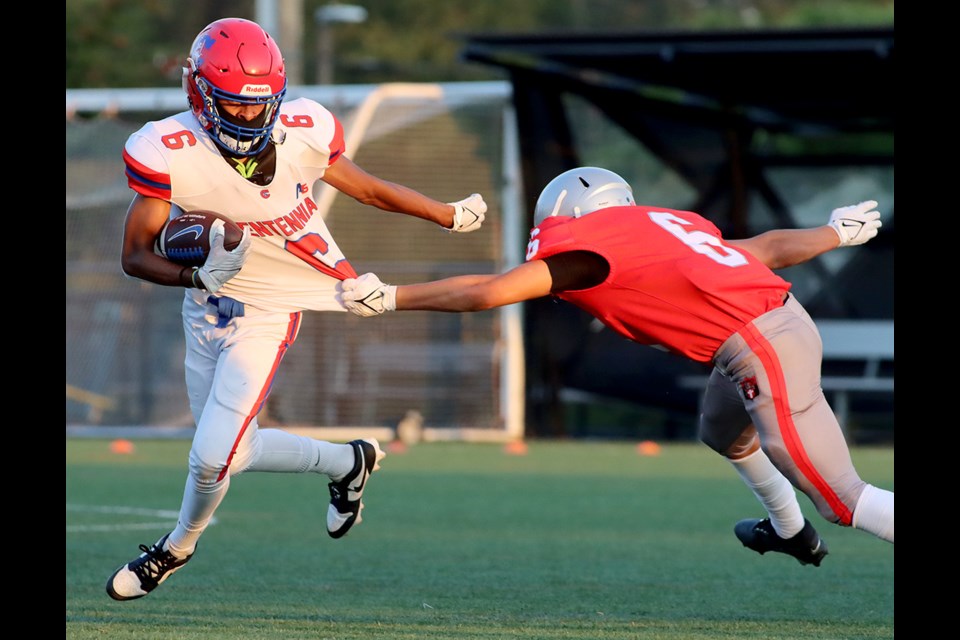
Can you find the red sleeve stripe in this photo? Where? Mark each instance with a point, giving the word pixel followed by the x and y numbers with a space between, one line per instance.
pixel 145 181
pixel 337 146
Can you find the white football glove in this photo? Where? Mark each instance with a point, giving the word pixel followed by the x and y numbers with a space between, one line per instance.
pixel 468 214
pixel 221 265
pixel 857 223
pixel 366 296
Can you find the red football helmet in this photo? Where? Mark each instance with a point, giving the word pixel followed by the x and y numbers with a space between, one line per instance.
pixel 235 60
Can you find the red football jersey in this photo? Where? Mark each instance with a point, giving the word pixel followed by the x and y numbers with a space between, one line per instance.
pixel 673 282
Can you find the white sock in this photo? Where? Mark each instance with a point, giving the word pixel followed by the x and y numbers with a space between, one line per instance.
pixel 200 501
pixel 774 492
pixel 874 512
pixel 284 452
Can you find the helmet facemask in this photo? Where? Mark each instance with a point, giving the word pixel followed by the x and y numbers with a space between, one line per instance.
pixel 236 136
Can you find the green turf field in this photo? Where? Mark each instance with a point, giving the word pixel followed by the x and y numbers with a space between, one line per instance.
pixel 461 541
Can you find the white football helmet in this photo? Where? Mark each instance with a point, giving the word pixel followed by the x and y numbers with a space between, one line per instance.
pixel 580 191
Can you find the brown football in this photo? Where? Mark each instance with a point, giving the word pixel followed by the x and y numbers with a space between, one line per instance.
pixel 186 238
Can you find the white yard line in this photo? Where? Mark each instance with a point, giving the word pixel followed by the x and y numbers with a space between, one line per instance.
pixel 162 518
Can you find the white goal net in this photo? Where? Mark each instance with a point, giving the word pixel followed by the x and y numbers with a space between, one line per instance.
pixel 461 374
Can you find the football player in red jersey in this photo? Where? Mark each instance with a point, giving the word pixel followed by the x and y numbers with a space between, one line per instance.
pixel 241 149
pixel 667 278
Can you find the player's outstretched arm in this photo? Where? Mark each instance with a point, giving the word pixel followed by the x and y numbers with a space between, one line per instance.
pixel 781 248
pixel 368 296
pixel 462 216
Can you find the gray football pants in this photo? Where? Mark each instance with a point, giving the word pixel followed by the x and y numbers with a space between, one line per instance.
pixel 768 374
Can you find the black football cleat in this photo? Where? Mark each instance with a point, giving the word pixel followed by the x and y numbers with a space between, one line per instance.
pixel 807 546
pixel 144 573
pixel 345 494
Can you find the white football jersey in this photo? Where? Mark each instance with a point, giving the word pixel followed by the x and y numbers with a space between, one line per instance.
pixel 294 263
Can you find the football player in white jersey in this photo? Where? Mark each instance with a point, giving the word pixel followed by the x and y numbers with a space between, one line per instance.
pixel 242 151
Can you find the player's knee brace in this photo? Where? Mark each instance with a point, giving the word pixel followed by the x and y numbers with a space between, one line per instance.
pixel 730 446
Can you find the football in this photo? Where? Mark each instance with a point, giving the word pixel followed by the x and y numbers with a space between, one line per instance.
pixel 185 239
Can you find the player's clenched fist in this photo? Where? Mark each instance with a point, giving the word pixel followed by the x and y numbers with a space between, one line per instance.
pixel 857 223
pixel 366 296
pixel 468 214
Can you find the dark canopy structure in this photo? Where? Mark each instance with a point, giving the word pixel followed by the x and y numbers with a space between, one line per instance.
pixel 753 129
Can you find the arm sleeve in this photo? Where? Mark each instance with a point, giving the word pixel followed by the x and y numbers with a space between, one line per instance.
pixel 576 270
pixel 146 168
pixel 322 132
pixel 337 144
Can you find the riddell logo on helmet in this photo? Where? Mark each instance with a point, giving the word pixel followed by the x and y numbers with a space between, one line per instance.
pixel 255 89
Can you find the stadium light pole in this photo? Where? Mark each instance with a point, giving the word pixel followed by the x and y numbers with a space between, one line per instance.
pixel 326 16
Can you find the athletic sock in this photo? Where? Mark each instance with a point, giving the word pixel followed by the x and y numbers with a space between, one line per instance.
pixel 200 501
pixel 285 452
pixel 773 490
pixel 874 512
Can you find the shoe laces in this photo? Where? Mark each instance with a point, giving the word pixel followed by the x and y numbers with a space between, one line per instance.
pixel 154 564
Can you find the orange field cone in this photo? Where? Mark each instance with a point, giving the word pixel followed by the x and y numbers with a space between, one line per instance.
pixel 397 446
pixel 648 448
pixel 122 446
pixel 515 448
